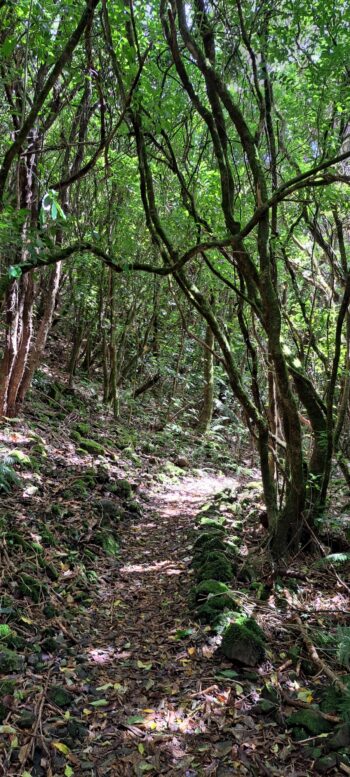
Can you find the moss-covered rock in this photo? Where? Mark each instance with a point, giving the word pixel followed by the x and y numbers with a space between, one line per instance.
pixel 210 556
pixel 205 536
pixel 208 540
pixel 10 661
pixel 7 687
pixel 341 738
pixel 211 523
pixel 218 568
pixel 82 428
pixel 109 544
pixel 31 587
pixel 90 446
pixel 311 720
pixel 123 488
pixel 26 719
pixel 60 696
pixel 134 507
pixel 206 587
pixel 109 509
pixel 74 435
pixel 214 606
pixel 327 764
pixel 244 641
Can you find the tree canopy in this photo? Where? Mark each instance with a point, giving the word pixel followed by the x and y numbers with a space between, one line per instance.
pixel 178 172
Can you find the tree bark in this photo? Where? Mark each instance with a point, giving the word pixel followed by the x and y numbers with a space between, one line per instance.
pixel 206 413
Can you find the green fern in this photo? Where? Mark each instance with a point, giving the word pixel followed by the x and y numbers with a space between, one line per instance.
pixel 8 477
pixel 335 558
pixel 344 707
pixel 343 646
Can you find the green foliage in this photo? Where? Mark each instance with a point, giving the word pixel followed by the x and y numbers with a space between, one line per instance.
pixel 336 558
pixel 5 631
pixel 8 476
pixel 90 446
pixel 311 721
pixel 343 646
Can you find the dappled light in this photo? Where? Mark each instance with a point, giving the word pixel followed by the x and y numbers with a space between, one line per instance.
pixel 174 388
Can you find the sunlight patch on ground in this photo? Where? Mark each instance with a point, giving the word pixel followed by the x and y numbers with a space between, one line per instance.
pixel 168 567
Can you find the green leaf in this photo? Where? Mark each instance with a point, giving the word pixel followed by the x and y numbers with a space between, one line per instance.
pixel 230 673
pixel 7 730
pixel 182 633
pixel 135 719
pixel 46 201
pixel 14 271
pixel 99 703
pixel 146 666
pixel 61 747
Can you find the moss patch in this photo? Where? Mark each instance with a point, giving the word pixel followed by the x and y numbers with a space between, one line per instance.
pixel 244 641
pixel 90 446
pixel 311 721
pixel 218 568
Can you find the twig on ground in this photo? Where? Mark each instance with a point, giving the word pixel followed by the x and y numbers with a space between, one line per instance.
pixel 316 658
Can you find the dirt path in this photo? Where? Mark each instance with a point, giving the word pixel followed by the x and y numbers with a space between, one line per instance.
pixel 157 719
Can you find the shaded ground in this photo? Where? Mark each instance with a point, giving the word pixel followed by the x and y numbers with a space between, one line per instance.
pixel 114 676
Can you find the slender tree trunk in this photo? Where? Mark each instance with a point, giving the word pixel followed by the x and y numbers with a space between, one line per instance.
pixel 20 362
pixel 206 413
pixel 10 350
pixel 42 333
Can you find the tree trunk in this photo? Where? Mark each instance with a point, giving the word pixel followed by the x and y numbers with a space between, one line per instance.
pixel 42 334
pixel 206 413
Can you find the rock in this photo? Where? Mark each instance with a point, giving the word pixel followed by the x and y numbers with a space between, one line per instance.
pixel 340 738
pixel 183 462
pixel 326 763
pixel 82 428
pixel 208 557
pixel 60 696
pixel 210 611
pixel 211 543
pixel 213 597
pixel 90 446
pixel 134 507
pixel 50 611
pixel 109 544
pixel 243 641
pixel 76 730
pixel 109 509
pixel 10 661
pixel 206 587
pixel 311 720
pixel 26 719
pixel 205 538
pixel 206 524
pixel 31 587
pixel 270 693
pixel 219 568
pixel 264 707
pixel 7 687
pixel 312 752
pixel 123 488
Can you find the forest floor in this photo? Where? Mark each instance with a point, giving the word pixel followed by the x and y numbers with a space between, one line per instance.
pixel 104 668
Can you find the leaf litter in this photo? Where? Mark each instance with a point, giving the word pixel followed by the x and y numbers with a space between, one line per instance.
pixel 111 674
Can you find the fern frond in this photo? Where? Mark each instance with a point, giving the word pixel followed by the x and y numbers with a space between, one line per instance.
pixel 343 647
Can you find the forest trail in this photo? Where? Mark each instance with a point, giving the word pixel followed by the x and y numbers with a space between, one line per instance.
pixel 160 720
